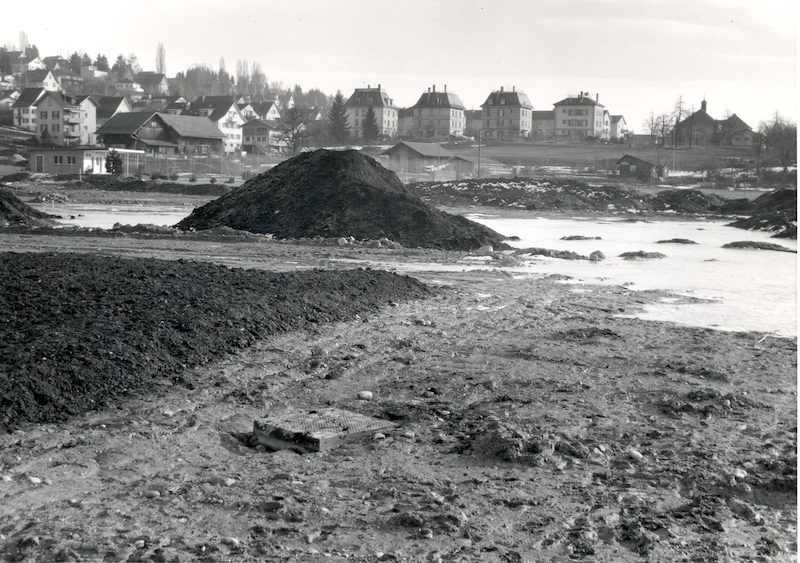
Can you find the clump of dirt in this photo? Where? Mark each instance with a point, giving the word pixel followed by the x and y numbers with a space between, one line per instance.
pixel 677 241
pixel 16 177
pixel 80 330
pixel 757 245
pixel 690 201
pixel 641 255
pixel 775 212
pixel 339 194
pixel 16 213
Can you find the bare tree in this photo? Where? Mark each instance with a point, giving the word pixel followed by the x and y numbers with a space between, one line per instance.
pixel 780 141
pixel 23 42
pixel 677 115
pixel 294 128
pixel 651 125
pixel 161 59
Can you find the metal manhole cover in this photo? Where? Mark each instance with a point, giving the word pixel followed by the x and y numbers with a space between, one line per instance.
pixel 315 430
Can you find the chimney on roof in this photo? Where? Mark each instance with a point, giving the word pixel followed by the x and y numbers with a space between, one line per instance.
pixel 703 105
pixel 379 87
pixel 429 89
pixel 514 88
pixel 445 88
pixel 597 97
pixel 501 88
pixel 581 95
pixel 434 88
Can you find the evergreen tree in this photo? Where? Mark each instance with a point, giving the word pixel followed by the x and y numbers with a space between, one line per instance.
pixel 370 128
pixel 75 62
pixel 114 162
pixel 337 120
pixel 101 62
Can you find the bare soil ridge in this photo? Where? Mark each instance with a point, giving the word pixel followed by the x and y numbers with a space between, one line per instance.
pixel 82 330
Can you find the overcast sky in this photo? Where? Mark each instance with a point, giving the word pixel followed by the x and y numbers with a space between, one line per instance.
pixel 638 55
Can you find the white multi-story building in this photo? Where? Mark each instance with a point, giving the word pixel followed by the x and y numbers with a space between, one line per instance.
pixel 357 107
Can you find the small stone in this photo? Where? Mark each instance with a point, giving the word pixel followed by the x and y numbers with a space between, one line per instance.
pixel 597 256
pixel 365 395
pixel 168 413
pixel 7 478
pixel 311 536
pixel 341 241
pixel 223 481
pixel 139 544
pixel 379 436
pixel 740 473
pixel 426 533
pixel 408 434
pixel 34 480
pixel 635 455
pixel 233 542
pixel 151 494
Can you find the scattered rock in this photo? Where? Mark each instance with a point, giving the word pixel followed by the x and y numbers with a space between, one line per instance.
pixel 365 395
pixel 641 255
pixel 758 245
pixel 677 241
pixel 597 256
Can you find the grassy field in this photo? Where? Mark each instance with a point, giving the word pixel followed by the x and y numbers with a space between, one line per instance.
pixel 603 156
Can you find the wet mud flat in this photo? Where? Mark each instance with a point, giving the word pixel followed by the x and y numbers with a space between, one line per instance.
pixel 529 422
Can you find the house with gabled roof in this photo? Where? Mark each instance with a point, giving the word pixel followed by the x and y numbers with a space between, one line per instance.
pixel 56 117
pixel 506 115
pixel 56 62
pixel 580 117
pixel 162 133
pixel 68 81
pixel 24 64
pixel 42 78
pixel 438 115
pixel 699 128
pixel 543 124
pixel 153 83
pixel 224 112
pixel 267 110
pixel 632 167
pixel 108 106
pixel 357 107
pixel 733 131
pixel 408 157
pixel 25 116
pixel 618 127
pixel 7 98
pixel 262 136
pixel 128 87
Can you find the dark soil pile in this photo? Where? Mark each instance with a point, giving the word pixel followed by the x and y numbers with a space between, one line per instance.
pixel 775 212
pixel 690 201
pixel 80 331
pixel 16 213
pixel 117 184
pixel 339 194
pixel 16 177
pixel 758 245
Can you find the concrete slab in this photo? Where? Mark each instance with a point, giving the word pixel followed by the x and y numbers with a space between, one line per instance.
pixel 315 430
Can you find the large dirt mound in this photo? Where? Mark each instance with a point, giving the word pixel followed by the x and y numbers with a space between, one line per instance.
pixel 16 213
pixel 338 194
pixel 81 330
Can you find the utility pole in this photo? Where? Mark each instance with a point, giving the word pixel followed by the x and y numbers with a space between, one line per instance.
pixel 479 153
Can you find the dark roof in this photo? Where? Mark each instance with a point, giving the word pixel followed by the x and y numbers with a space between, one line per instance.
pixel 28 97
pixel 579 101
pixel 149 78
pixel 423 149
pixel 543 115
pixel 262 108
pixel 700 116
pixel 192 126
pixel 405 112
pixel 473 113
pixel 508 98
pixel 439 100
pixel 616 118
pixel 67 73
pixel 122 123
pixel 369 97
pixel 54 60
pixel 628 159
pixel 38 75
pixel 157 143
pixel 735 123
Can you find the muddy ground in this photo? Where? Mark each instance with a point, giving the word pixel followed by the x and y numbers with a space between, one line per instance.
pixel 534 422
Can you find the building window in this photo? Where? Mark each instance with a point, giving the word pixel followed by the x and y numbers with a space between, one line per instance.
pixel 71 160
pixel 55 115
pixel 43 114
pixel 55 128
pixel 58 160
pixel 44 127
